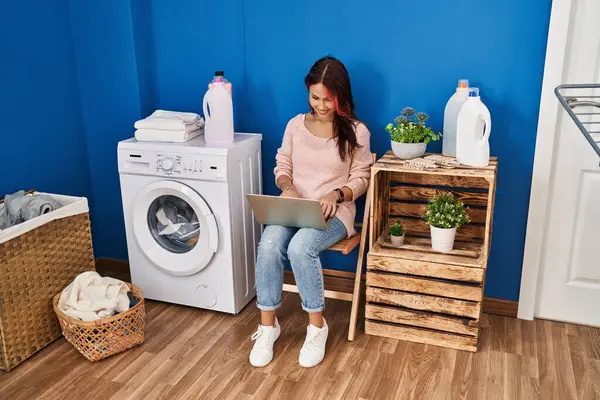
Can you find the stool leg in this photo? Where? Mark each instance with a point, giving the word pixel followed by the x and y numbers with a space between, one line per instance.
pixel 359 266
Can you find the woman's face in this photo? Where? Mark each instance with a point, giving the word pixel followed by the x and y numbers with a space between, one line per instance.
pixel 320 101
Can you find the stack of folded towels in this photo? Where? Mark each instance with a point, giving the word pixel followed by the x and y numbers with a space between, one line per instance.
pixel 169 126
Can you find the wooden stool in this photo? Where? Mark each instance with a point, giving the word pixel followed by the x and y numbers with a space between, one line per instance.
pixel 343 285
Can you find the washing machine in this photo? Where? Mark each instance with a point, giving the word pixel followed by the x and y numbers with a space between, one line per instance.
pixel 191 235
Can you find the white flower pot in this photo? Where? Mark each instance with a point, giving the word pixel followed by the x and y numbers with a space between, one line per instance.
pixel 397 240
pixel 408 151
pixel 442 240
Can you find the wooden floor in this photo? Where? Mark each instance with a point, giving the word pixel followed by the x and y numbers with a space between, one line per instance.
pixel 190 353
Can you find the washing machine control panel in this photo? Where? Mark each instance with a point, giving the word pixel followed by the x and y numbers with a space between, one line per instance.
pixel 168 164
pixel 191 166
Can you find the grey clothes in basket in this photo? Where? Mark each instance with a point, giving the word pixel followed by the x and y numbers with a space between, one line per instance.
pixel 20 207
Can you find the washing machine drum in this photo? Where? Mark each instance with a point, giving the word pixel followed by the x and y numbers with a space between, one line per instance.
pixel 175 228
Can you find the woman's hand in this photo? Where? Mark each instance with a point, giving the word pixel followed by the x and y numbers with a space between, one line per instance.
pixel 329 204
pixel 289 193
pixel 287 188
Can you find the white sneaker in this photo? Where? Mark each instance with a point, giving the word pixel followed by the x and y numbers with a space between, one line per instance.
pixel 313 350
pixel 264 339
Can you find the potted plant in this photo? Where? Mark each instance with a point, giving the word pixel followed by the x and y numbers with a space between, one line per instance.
pixel 397 234
pixel 445 214
pixel 410 135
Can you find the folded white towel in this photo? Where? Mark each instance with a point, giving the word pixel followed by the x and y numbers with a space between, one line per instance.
pixel 158 135
pixel 184 116
pixel 90 297
pixel 171 120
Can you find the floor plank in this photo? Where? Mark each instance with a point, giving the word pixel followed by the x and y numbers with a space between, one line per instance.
pixel 192 353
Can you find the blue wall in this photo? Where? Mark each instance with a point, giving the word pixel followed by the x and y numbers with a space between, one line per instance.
pixel 399 53
pixel 132 58
pixel 41 132
pixel 406 53
pixel 111 83
pixel 190 45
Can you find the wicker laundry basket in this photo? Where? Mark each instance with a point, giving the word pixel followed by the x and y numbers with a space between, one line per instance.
pixel 38 258
pixel 107 336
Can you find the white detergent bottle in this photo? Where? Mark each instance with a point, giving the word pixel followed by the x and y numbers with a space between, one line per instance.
pixel 451 111
pixel 218 114
pixel 473 130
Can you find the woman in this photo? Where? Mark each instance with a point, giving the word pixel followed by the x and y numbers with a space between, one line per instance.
pixel 325 156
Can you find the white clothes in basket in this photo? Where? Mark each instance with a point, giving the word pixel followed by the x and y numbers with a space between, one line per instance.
pixel 90 297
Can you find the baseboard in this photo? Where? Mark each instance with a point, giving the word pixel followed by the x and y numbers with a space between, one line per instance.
pixel 114 268
pixel 120 269
pixel 500 307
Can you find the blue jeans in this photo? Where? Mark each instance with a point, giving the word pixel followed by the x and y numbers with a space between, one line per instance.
pixel 302 247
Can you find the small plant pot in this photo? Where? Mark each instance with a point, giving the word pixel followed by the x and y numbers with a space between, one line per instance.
pixel 408 151
pixel 442 240
pixel 397 241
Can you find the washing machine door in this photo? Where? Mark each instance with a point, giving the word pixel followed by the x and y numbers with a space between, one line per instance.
pixel 174 228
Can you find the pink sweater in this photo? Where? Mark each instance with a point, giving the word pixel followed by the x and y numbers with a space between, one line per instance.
pixel 315 167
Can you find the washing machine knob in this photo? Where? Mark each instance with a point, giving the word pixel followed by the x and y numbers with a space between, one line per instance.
pixel 167 164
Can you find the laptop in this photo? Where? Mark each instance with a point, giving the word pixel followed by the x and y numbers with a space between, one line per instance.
pixel 287 211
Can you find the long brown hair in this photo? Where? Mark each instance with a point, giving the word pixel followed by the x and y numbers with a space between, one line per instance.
pixel 330 72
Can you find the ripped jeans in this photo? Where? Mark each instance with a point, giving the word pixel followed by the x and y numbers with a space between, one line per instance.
pixel 302 247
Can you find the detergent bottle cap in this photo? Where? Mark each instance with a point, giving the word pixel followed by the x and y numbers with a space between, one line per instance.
pixel 218 78
pixel 473 92
pixel 463 83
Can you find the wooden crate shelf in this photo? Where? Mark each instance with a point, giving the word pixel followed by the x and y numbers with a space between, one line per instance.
pixel 419 249
pixel 415 293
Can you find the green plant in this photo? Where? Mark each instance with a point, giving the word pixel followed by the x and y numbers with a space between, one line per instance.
pixel 410 128
pixel 445 211
pixel 396 229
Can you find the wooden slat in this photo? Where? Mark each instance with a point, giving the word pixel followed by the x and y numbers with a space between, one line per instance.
pixel 489 221
pixel 373 224
pixel 421 302
pixel 426 286
pixel 404 209
pixel 415 193
pixel 416 210
pixel 386 165
pixel 421 319
pixel 389 155
pixel 329 294
pixel 422 268
pixel 378 198
pixel 386 196
pixel 418 227
pixel 391 163
pixel 423 244
pixel 390 159
pixel 383 200
pixel 441 180
pixel 345 246
pixel 439 258
pixel 339 274
pixel 358 275
pixel 418 335
pixel 331 283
